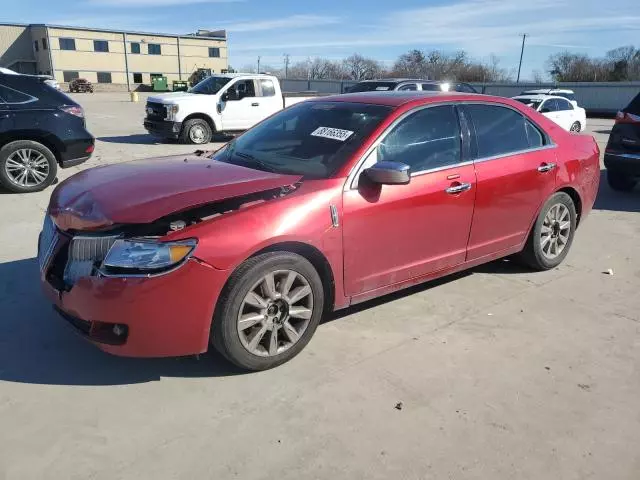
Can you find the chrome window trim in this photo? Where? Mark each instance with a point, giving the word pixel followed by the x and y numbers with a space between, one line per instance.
pixel 30 100
pixel 356 170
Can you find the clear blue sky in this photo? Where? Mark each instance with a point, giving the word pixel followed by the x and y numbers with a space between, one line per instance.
pixel 380 29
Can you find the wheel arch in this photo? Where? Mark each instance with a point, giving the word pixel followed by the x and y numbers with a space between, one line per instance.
pixel 577 200
pixel 201 116
pixel 34 136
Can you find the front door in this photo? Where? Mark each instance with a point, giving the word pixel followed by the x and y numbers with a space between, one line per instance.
pixel 239 105
pixel 396 232
pixel 515 169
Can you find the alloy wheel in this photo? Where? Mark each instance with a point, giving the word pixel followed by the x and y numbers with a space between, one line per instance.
pixel 197 134
pixel 275 313
pixel 575 127
pixel 27 167
pixel 556 230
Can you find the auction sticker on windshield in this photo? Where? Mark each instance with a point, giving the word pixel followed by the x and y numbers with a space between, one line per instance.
pixel 332 133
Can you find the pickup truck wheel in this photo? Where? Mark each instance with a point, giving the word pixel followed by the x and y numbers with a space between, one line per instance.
pixel 268 311
pixel 196 131
pixel 552 234
pixel 576 127
pixel 27 166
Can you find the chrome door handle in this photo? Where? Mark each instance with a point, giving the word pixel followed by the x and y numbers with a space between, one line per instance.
pixel 463 187
pixel 546 167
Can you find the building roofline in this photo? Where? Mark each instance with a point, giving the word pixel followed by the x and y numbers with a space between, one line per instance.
pixel 108 30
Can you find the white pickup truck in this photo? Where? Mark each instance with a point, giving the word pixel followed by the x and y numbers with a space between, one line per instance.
pixel 223 104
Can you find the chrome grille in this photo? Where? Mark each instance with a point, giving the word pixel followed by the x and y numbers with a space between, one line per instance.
pixel 84 253
pixel 47 242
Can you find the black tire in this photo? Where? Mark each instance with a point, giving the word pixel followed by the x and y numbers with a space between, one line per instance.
pixel 186 135
pixel 533 255
pixel 576 127
pixel 9 149
pixel 620 182
pixel 224 331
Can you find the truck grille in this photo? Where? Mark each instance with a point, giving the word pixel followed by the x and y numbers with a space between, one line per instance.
pixel 156 111
pixel 85 252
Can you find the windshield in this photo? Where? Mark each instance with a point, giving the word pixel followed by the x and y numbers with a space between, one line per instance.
pixel 210 85
pixel 531 102
pixel 372 87
pixel 312 139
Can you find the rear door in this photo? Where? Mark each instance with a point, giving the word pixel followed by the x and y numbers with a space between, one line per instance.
pixel 515 167
pixel 396 232
pixel 267 102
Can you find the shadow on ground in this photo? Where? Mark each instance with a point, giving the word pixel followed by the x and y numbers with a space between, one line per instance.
pixel 609 199
pixel 135 139
pixel 605 132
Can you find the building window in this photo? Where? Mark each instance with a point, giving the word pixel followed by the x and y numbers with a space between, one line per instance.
pixel 67 44
pixel 214 52
pixel 100 46
pixel 44 43
pixel 35 45
pixel 69 76
pixel 104 77
pixel 154 49
pixel 135 48
pixel 137 77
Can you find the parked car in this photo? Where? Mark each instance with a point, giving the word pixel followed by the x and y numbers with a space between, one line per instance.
pixel 557 92
pixel 622 155
pixel 80 85
pixel 558 109
pixel 326 204
pixel 40 128
pixel 223 104
pixel 402 84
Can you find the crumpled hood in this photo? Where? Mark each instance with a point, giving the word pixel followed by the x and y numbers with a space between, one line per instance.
pixel 142 191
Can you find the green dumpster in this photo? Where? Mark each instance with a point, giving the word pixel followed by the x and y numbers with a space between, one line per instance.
pixel 159 84
pixel 180 86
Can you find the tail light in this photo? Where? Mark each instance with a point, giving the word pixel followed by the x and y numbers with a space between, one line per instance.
pixel 73 110
pixel 626 117
pixel 90 149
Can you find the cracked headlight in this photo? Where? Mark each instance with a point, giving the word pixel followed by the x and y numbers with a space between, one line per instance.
pixel 147 255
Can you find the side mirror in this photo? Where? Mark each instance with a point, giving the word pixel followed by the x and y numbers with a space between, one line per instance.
pixel 389 173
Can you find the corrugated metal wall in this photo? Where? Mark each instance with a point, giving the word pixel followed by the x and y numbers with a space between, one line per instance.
pixel 605 97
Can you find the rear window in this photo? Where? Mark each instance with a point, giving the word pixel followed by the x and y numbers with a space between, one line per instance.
pixel 498 130
pixel 634 106
pixel 9 95
pixel 312 139
pixel 372 87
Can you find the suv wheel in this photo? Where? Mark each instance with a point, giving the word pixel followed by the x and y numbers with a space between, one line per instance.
pixel 27 166
pixel 268 311
pixel 620 182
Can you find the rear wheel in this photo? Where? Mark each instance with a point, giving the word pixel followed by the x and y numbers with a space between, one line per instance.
pixel 27 166
pixel 268 311
pixel 196 131
pixel 552 235
pixel 576 127
pixel 620 182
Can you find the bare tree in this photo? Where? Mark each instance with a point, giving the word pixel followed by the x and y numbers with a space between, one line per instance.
pixel 358 67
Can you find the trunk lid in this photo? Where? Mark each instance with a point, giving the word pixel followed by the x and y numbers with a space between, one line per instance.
pixel 145 190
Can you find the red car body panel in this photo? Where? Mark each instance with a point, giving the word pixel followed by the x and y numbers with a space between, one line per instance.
pixel 142 191
pixel 384 238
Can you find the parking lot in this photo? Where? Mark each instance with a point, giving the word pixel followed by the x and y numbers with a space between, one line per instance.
pixel 496 373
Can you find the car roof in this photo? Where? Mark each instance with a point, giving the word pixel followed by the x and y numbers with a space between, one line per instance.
pixel 549 91
pixel 397 99
pixel 240 74
pixel 537 96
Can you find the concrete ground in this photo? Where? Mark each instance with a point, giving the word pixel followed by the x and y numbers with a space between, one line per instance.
pixel 497 373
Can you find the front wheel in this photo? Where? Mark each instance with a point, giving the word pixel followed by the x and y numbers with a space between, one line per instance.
pixel 552 235
pixel 196 131
pixel 268 311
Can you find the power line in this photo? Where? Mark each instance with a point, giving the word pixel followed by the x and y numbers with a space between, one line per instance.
pixel 524 37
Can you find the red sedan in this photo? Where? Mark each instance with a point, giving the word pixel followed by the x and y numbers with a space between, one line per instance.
pixel 327 204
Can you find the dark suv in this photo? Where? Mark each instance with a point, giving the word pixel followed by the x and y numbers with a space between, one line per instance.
pixel 40 128
pixel 622 155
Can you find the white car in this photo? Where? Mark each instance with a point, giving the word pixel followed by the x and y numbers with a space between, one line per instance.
pixel 558 109
pixel 556 92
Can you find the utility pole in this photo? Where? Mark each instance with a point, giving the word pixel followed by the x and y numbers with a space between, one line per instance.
pixel 524 37
pixel 258 64
pixel 286 65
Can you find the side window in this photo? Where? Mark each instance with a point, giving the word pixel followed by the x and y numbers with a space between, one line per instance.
pixel 549 106
pixel 534 135
pixel 408 87
pixel 426 139
pixel 563 104
pixel 100 46
pixel 267 87
pixel 430 87
pixel 245 88
pixel 498 130
pixel 104 77
pixel 67 43
pixel 135 47
pixel 69 76
pixel 9 95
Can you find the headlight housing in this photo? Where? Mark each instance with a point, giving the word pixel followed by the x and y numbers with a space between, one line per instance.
pixel 147 256
pixel 172 111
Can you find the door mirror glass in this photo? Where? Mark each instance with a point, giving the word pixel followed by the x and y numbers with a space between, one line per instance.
pixel 389 173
